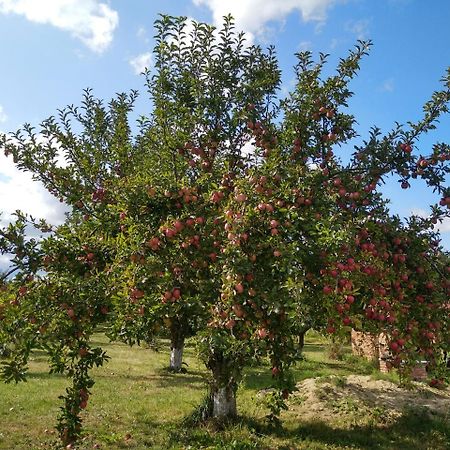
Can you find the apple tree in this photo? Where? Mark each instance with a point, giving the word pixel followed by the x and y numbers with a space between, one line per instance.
pixel 227 213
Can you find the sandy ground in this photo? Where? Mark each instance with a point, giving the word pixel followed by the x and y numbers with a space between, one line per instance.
pixel 332 397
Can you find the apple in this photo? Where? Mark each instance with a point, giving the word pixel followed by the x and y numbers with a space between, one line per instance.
pixel 327 289
pixel 262 333
pixel 230 324
pixel 137 293
pixel 406 148
pixel 238 310
pixel 153 243
pixel 178 225
pixel 394 346
pixel 350 299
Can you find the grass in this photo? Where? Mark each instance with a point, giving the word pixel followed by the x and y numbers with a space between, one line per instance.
pixel 136 404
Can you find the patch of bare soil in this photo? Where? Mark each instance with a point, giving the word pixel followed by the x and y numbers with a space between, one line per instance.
pixel 364 399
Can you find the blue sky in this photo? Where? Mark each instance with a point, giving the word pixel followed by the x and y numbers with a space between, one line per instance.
pixel 52 49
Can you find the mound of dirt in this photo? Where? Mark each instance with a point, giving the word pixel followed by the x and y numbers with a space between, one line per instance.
pixel 329 398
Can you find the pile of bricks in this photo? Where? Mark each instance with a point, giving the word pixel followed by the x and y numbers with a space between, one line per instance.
pixel 374 347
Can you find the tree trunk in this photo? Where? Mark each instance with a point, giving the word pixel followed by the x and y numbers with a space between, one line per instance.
pixel 223 387
pixel 224 402
pixel 301 339
pixel 176 348
pixel 176 358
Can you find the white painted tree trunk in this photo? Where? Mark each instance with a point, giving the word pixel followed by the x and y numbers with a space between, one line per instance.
pixel 224 403
pixel 176 358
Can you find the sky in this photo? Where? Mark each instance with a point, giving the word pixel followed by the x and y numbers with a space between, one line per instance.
pixel 53 49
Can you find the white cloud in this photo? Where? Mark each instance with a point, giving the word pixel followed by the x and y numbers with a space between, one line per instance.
pixel 18 190
pixel 248 148
pixel 388 85
pixel 91 21
pixel 304 46
pixel 419 212
pixel 141 62
pixel 142 34
pixel 360 28
pixel 253 15
pixel 442 227
pixel 334 43
pixel 189 29
pixel 4 263
pixel 3 116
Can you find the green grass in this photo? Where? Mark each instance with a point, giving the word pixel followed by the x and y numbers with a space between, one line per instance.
pixel 136 404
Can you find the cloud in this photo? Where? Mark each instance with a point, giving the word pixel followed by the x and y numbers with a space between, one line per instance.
pixel 90 21
pixel 253 15
pixel 248 149
pixel 304 46
pixel 19 191
pixel 142 34
pixel 442 227
pixel 360 28
pixel 3 116
pixel 334 43
pixel 388 85
pixel 4 263
pixel 141 62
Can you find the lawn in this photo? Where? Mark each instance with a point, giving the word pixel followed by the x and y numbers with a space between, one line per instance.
pixel 136 404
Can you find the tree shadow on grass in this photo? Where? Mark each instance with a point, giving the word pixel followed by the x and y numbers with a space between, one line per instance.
pixel 45 376
pixel 314 348
pixel 413 431
pixel 194 378
pixel 233 435
pixel 161 379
